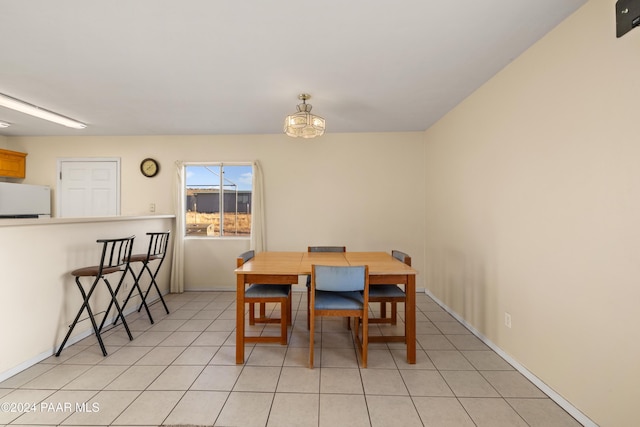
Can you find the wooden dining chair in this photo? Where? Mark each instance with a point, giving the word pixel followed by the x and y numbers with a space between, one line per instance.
pixel 319 249
pixel 392 294
pixel 341 291
pixel 262 294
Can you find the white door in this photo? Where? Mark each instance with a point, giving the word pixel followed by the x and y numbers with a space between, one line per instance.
pixel 88 187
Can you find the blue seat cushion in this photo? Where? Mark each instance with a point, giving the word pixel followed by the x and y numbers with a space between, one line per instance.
pixel 267 291
pixel 388 291
pixel 339 300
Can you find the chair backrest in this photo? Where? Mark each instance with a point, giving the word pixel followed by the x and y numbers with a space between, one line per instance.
pixel 335 278
pixel 158 243
pixel 326 249
pixel 401 256
pixel 115 252
pixel 244 257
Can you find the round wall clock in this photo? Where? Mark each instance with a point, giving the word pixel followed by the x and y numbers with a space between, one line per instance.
pixel 149 167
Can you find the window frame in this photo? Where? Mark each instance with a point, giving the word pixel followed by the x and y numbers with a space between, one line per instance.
pixel 221 197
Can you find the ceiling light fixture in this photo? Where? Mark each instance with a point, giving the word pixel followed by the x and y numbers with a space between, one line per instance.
pixel 303 124
pixel 33 110
pixel 4 124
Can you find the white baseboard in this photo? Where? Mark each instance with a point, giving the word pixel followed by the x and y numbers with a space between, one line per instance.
pixel 553 395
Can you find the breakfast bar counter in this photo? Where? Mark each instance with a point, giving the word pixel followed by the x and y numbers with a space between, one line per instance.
pixel 39 296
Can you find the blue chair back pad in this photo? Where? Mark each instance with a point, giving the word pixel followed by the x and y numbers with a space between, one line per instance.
pixel 246 256
pixel 401 256
pixel 327 249
pixel 339 278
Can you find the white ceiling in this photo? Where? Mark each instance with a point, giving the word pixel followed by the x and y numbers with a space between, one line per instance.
pixel 179 67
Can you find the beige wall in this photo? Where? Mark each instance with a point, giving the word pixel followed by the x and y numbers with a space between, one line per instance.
pixel 533 208
pixel 361 190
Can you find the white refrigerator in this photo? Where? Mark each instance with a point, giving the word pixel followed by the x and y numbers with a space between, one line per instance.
pixel 24 201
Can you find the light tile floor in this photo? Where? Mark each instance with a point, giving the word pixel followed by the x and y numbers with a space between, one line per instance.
pixel 182 371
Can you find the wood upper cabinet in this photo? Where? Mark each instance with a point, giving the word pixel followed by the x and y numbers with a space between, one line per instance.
pixel 12 164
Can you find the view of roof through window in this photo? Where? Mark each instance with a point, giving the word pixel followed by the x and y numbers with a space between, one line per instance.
pixel 218 200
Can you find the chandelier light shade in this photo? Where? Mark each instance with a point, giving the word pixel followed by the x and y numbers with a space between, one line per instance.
pixel 33 110
pixel 303 124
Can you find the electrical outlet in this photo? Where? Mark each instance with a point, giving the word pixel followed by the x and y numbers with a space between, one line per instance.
pixel 152 207
pixel 507 320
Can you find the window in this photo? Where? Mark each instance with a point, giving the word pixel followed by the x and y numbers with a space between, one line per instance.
pixel 218 199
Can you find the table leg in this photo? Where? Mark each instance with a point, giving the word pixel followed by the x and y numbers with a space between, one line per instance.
pixel 240 318
pixel 411 318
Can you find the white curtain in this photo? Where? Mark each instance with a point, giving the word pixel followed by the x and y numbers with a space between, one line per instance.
pixel 177 270
pixel 258 239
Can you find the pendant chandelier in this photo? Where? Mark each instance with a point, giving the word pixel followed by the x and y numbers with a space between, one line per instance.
pixel 303 124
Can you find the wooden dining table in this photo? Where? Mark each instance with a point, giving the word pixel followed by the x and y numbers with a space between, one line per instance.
pixel 286 267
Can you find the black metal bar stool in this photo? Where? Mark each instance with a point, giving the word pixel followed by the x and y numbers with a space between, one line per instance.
pixel 158 243
pixel 116 254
